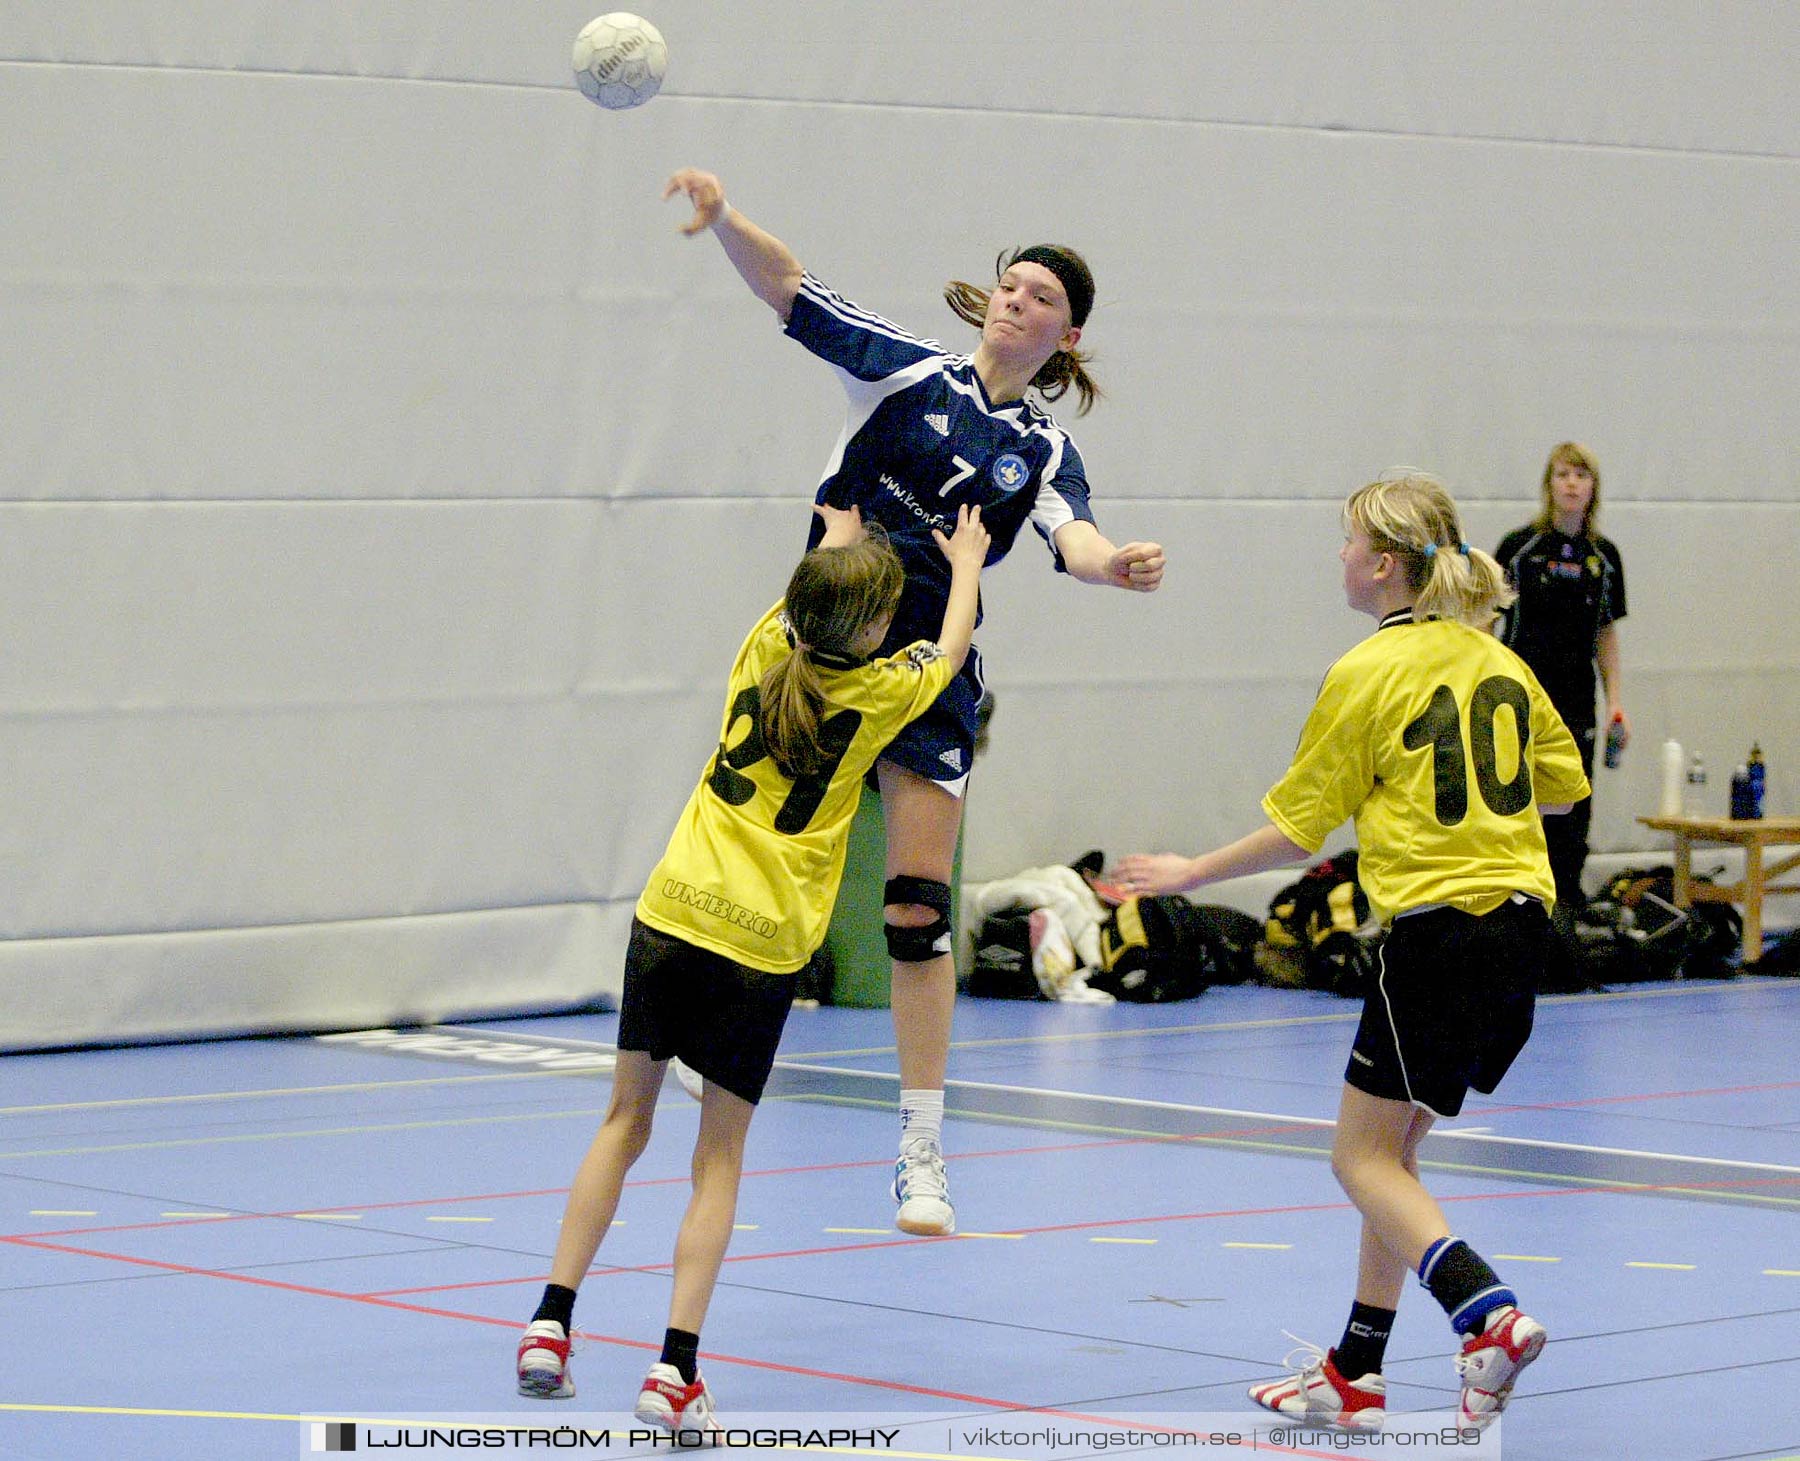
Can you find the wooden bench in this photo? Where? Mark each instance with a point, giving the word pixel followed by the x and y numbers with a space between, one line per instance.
pixel 1759 874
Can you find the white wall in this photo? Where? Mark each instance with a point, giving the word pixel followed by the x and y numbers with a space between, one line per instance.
pixel 384 483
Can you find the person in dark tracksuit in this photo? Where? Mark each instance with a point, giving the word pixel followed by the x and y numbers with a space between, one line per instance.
pixel 1565 625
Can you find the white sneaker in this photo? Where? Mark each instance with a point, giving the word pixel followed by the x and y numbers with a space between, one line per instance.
pixel 685 1411
pixel 543 1361
pixel 1316 1392
pixel 1490 1362
pixel 922 1189
pixel 691 1080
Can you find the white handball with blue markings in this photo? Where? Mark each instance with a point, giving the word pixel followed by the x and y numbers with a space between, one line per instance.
pixel 620 60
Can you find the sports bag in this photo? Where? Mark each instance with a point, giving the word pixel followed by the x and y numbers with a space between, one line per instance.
pixel 1633 929
pixel 1154 949
pixel 1323 920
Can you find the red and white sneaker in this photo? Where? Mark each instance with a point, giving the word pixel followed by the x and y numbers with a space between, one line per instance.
pixel 1490 1363
pixel 544 1361
pixel 1317 1394
pixel 679 1408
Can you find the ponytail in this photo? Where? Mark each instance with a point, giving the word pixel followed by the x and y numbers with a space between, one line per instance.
pixel 833 597
pixel 1411 516
pixel 1460 583
pixel 793 706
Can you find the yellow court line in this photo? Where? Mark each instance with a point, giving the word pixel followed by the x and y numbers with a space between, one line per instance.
pixel 1781 1272
pixel 328 1217
pixel 745 1227
pixel 176 1413
pixel 63 1212
pixel 1677 1267
pixel 1009 1237
pixel 195 1214
pixel 857 1231
pixel 413 1422
pixel 1274 1247
pixel 1526 1258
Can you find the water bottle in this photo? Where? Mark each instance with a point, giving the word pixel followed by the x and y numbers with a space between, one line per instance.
pixel 1615 741
pixel 1743 799
pixel 1696 788
pixel 1669 804
pixel 1757 772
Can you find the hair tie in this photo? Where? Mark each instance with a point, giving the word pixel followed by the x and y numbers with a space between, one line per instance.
pixel 1463 548
pixel 1431 550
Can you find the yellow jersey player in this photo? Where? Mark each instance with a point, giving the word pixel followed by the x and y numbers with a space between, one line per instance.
pixel 738 903
pixel 1440 743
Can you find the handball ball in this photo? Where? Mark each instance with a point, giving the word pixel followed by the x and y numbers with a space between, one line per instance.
pixel 620 60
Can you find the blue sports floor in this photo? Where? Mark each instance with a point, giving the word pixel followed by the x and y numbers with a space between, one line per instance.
pixel 207 1248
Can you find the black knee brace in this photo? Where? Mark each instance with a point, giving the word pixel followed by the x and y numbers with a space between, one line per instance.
pixel 927 940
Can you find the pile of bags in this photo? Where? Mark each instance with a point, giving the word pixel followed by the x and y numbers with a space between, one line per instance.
pixel 1061 933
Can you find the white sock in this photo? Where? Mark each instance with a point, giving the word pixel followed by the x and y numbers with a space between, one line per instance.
pixel 922 1117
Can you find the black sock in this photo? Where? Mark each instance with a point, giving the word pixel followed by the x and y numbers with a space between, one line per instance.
pixel 680 1349
pixel 1364 1345
pixel 1460 1279
pixel 558 1304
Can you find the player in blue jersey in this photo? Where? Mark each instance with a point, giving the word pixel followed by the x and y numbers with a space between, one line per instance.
pixel 930 431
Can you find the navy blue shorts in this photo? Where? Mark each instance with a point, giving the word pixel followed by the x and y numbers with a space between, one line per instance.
pixel 722 1018
pixel 1452 1004
pixel 940 744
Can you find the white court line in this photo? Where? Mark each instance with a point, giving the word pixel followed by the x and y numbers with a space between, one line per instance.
pixel 357 1086
pixel 1738 987
pixel 1621 1151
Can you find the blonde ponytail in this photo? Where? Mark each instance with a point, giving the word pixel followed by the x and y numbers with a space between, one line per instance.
pixel 1411 515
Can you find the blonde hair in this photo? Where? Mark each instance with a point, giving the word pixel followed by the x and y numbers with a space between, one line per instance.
pixel 833 596
pixel 1064 369
pixel 1573 454
pixel 1411 515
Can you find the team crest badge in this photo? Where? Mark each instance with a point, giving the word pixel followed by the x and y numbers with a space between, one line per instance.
pixel 1010 471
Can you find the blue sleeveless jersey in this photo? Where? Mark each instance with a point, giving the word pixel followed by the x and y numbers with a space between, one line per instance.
pixel 922 439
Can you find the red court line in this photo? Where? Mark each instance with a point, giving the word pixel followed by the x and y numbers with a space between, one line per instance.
pixel 312 1291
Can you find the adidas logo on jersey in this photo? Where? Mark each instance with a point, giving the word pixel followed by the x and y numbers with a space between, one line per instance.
pixel 938 422
pixel 952 758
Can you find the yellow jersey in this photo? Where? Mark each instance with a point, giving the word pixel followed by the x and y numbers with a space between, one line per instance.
pixel 1440 742
pixel 753 866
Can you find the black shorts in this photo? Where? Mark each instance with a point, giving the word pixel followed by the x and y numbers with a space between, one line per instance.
pixel 720 1017
pixel 1452 1004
